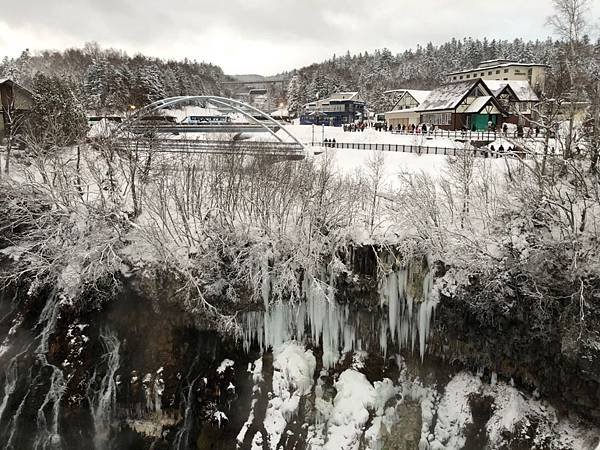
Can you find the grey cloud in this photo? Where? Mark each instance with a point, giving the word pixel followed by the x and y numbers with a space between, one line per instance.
pixel 272 35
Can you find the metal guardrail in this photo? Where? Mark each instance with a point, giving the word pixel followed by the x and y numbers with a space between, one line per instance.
pixel 422 150
pixel 473 135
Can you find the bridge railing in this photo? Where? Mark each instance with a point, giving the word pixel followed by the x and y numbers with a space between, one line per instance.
pixel 198 146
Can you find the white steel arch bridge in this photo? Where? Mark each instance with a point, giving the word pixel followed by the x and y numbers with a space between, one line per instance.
pixel 165 136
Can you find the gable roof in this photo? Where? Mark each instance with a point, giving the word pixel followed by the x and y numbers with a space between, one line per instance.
pixel 521 88
pixel 337 97
pixel 343 96
pixel 418 95
pixel 478 104
pixel 449 96
pixel 13 84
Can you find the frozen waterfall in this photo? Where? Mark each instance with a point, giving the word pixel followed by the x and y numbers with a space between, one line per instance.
pixel 404 318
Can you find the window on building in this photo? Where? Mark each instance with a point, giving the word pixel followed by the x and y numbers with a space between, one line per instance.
pixel 497 72
pixel 490 72
pixel 505 70
pixel 461 77
pixel 455 77
pixel 437 118
pixel 483 74
pixel 468 76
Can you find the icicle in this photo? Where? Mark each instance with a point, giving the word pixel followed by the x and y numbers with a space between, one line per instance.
pixel 320 319
pixel 265 285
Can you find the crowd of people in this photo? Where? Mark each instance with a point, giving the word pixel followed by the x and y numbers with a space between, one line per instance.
pixel 424 128
pixel 421 128
pixel 360 126
pixel 381 126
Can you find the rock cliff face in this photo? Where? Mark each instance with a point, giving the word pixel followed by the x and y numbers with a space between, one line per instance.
pixel 385 365
pixel 540 350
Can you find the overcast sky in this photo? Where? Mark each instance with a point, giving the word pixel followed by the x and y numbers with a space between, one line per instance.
pixel 263 36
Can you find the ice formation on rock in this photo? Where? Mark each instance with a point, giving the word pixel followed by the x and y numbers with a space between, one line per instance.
pixel 409 317
pixel 321 320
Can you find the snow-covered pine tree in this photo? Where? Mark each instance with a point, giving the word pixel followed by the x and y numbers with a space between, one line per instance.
pixel 58 115
pixel 149 84
pixel 295 95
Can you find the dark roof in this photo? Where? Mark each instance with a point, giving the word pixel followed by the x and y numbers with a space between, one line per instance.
pixel 13 84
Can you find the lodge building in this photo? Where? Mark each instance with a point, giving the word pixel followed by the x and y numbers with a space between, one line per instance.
pixel 504 70
pixel 496 92
pixel 462 105
pixel 338 109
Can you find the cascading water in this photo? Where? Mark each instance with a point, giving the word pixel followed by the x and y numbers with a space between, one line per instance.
pixel 183 434
pixel 102 400
pixel 46 429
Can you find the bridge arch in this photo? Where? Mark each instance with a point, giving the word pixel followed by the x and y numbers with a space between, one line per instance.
pixel 246 110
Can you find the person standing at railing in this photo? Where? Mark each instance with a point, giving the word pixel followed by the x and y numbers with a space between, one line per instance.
pixel 505 130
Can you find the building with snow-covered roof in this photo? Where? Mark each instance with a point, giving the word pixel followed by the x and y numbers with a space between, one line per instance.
pixel 516 97
pixel 344 96
pixel 462 105
pixel 404 112
pixel 503 70
pixel 280 114
pixel 15 101
pixel 336 110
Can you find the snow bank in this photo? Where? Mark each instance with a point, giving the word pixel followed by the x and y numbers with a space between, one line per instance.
pixel 293 373
pixel 343 410
pixel 355 396
pixel 224 365
pixel 454 412
pixel 347 161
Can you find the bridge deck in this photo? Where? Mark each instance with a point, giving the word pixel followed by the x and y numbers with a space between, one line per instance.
pixel 228 128
pixel 191 146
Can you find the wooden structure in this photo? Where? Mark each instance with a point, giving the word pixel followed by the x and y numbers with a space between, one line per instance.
pixel 464 105
pixel 15 102
pixel 516 97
